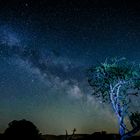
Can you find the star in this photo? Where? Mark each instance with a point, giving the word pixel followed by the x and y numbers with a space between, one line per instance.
pixel 26 4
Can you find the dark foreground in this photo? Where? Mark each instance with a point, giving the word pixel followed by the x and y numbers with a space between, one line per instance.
pixel 26 130
pixel 94 136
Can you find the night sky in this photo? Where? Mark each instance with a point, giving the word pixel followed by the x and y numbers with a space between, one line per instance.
pixel 46 46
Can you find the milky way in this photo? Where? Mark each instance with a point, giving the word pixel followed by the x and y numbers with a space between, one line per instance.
pixel 45 51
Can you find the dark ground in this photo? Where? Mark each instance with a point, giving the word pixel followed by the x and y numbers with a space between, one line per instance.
pixel 94 136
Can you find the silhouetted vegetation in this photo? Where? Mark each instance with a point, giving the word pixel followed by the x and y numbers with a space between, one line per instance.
pixel 67 137
pixel 21 130
pixel 26 130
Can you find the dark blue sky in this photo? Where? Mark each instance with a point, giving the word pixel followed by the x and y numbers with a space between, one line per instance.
pixel 45 49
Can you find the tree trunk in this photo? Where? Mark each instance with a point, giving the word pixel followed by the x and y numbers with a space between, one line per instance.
pixel 122 128
pixel 118 110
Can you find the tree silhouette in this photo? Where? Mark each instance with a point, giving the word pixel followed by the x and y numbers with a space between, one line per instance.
pixel 67 137
pixel 115 81
pixel 21 130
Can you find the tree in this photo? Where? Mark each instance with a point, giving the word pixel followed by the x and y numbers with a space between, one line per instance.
pixel 67 137
pixel 114 82
pixel 22 130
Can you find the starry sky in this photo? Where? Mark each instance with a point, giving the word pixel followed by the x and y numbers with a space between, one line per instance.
pixel 46 47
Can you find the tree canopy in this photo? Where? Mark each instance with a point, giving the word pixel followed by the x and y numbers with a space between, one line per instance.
pixel 113 72
pixel 22 130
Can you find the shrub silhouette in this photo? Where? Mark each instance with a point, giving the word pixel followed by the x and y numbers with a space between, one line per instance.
pixel 21 130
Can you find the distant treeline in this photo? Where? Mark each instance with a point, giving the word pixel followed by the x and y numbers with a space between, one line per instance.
pixel 26 130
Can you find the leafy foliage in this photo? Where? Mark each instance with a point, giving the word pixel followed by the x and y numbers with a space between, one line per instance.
pixel 110 73
pixel 135 119
pixel 22 130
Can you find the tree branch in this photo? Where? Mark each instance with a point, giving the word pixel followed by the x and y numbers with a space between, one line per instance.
pixel 131 133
